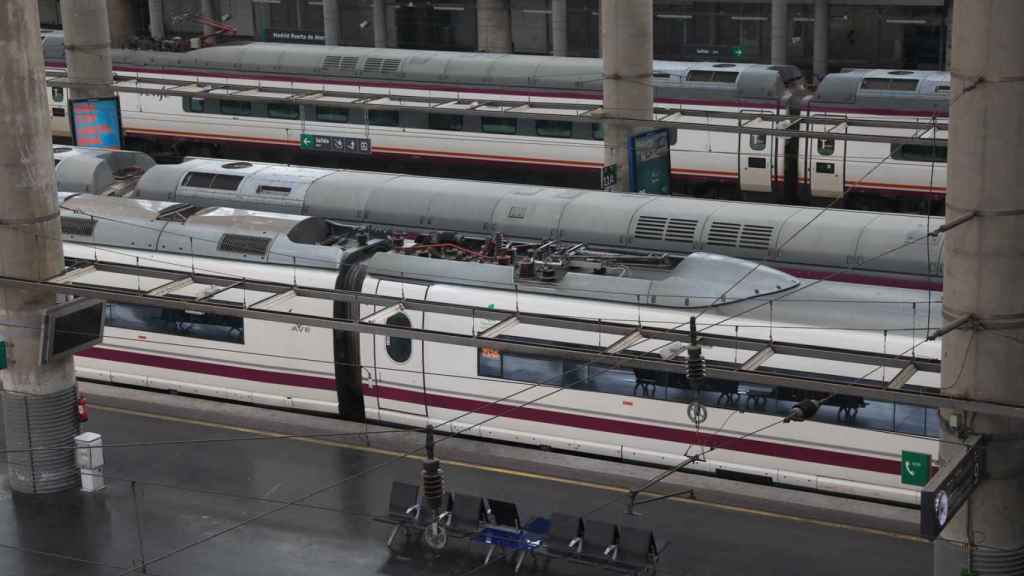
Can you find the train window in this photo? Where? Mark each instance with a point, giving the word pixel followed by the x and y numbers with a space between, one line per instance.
pixel 597 131
pixel 920 152
pixel 274 190
pixel 176 322
pixel 942 88
pixel 755 162
pixel 903 85
pixel 399 348
pixel 554 128
pixel 198 179
pixel 59 112
pixel 283 110
pixel 329 114
pixel 825 168
pixel 235 107
pixel 712 76
pixel 758 141
pixel 493 125
pixel 382 117
pixel 826 147
pixel 196 105
pixel 899 84
pixel 444 121
pixel 489 363
pixel 57 93
pixel 214 181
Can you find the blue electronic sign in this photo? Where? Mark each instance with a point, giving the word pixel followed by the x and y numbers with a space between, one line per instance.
pixel 96 122
pixel 650 166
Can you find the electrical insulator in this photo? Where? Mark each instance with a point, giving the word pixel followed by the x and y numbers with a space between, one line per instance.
pixel 694 359
pixel 803 410
pixel 432 478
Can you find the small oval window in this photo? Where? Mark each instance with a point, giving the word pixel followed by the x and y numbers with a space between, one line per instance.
pixel 399 348
pixel 758 141
pixel 826 147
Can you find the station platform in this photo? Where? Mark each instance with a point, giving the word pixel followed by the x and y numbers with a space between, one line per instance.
pixel 215 493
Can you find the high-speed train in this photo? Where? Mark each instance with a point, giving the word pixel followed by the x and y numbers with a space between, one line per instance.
pixel 259 99
pixel 842 245
pixel 582 408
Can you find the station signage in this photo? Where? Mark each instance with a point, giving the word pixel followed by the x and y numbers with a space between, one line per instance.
pixel 337 144
pixel 649 162
pixel 293 36
pixel 950 489
pixel 96 122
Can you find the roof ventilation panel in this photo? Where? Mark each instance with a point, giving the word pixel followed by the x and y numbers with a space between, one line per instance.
pixel 372 65
pixel 244 244
pixel 650 227
pixel 681 230
pixel 391 65
pixel 724 234
pixel 77 226
pixel 756 237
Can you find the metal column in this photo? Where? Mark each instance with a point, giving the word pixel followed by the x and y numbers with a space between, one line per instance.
pixel 156 19
pixel 493 26
pixel 207 12
pixel 627 40
pixel 38 399
pixel 821 27
pixel 984 269
pixel 87 48
pixel 121 20
pixel 559 28
pixel 332 23
pixel 380 24
pixel 779 30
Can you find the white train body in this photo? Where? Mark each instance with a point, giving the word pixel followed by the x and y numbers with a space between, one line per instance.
pixel 316 369
pixel 826 169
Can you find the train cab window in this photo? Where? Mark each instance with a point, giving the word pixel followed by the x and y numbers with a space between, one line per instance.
pixel 399 348
pixel 826 147
pixel 176 322
pixel 712 76
pixel 57 93
pixel 214 181
pixel 382 117
pixel 597 131
pixel 196 105
pixel 235 108
pixel 330 114
pixel 920 153
pixel 897 84
pixel 554 128
pixel 758 141
pixel 283 111
pixel 493 125
pixel 444 122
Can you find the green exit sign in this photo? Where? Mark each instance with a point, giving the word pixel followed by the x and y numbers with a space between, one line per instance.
pixel 915 468
pixel 3 354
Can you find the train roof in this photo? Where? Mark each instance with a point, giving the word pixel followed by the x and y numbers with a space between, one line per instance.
pixel 894 89
pixel 644 223
pixel 97 170
pixel 227 233
pixel 682 80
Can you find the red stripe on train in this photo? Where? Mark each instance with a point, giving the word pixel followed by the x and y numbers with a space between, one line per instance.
pixel 636 429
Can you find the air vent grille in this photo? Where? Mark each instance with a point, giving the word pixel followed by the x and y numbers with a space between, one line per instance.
pixel 650 227
pixel 756 237
pixel 372 65
pixel 680 230
pixel 390 65
pixel 339 63
pixel 242 244
pixel 724 234
pixel 77 226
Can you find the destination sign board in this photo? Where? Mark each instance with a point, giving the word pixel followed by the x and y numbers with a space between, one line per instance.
pixel 96 122
pixel 950 488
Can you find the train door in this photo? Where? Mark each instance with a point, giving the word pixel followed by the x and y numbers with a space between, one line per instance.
pixel 398 361
pixel 827 165
pixel 757 165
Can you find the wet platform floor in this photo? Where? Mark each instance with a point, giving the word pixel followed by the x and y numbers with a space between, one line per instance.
pixel 212 507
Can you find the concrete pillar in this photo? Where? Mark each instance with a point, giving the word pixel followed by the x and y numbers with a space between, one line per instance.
pixel 559 27
pixel 948 52
pixel 332 23
pixel 493 26
pixel 779 30
pixel 87 48
pixel 121 20
pixel 380 24
pixel 821 27
pixel 627 42
pixel 156 19
pixel 207 12
pixel 38 400
pixel 984 269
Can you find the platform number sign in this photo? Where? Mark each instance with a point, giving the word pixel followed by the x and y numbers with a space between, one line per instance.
pixel 915 468
pixel 338 144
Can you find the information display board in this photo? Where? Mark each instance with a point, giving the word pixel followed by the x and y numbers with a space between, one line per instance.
pixel 650 165
pixel 340 144
pixel 96 122
pixel 948 490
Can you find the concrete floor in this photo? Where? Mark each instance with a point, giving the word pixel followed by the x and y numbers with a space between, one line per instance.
pixel 190 496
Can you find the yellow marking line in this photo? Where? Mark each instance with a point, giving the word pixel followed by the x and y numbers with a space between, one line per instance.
pixel 515 473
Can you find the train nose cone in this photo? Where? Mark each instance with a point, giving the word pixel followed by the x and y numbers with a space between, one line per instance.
pixel 712 280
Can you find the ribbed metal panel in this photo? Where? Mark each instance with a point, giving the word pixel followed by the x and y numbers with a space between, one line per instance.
pixel 988 561
pixel 36 422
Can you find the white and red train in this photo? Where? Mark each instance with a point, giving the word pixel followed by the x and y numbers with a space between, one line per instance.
pixel 267 121
pixel 597 409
